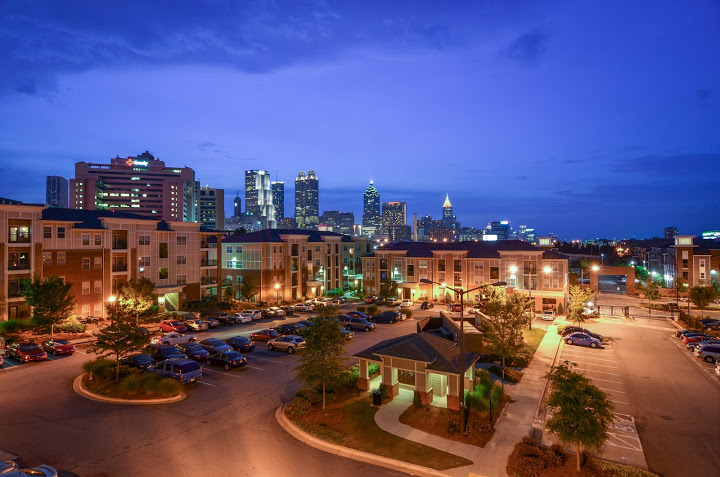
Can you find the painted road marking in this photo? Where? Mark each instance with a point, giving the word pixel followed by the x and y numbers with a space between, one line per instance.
pixel 601 365
pixel 223 372
pixel 595 359
pixel 603 372
pixel 253 367
pixel 203 382
pixel 612 390
pixel 265 359
pixel 606 380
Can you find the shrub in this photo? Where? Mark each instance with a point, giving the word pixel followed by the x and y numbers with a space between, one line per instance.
pixel 167 386
pixel 482 377
pixel 310 394
pixel 361 309
pixel 372 309
pixel 511 375
pixel 560 309
pixel 408 312
pixel 417 401
pixel 475 400
pixel 521 359
pixel 298 407
pixel 383 391
pixel 97 368
pixel 560 329
pixel 497 396
pixel 373 369
pixel 14 326
pixel 135 383
pixel 556 455
pixel 70 326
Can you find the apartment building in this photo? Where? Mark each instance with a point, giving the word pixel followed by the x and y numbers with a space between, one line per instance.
pixel 698 260
pixel 542 274
pixel 97 251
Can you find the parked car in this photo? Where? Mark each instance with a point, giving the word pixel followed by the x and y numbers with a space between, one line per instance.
pixel 579 329
pixel 681 333
pixel 26 352
pixel 172 339
pixel 225 320
pixel 267 313
pixel 426 305
pixel 264 335
pixel 194 351
pixel 212 322
pixel 442 333
pixel 197 325
pixel 692 346
pixel 548 315
pixel 370 299
pixel 277 311
pixel 304 307
pixel 386 317
pixel 182 369
pixel 455 307
pixel 172 325
pixel 406 303
pixel 39 471
pixel 140 361
pixel 215 345
pixel 717 367
pixel 163 352
pixel 358 314
pixel 289 310
pixel 289 329
pixel 713 326
pixel 240 343
pixel 227 359
pixel 347 333
pixel 582 339
pixel 1 361
pixel 289 343
pixel 241 318
pixel 709 353
pixel 696 338
pixel 59 346
pixel 706 321
pixel 256 314
pixel 672 307
pixel 359 324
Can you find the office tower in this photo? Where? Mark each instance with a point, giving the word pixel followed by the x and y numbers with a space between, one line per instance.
pixel 371 219
pixel 399 233
pixel 341 222
pixel 237 205
pixel 258 198
pixel 393 213
pixel 212 207
pixel 448 219
pixel 56 191
pixel 498 229
pixel 278 194
pixel 307 204
pixel 670 233
pixel 140 184
pixel 288 223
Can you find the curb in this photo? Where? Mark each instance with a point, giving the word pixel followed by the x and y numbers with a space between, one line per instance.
pixel 675 324
pixel 538 429
pixel 80 390
pixel 349 453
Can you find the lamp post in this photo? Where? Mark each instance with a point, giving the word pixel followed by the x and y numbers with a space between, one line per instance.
pixel 277 288
pixel 461 341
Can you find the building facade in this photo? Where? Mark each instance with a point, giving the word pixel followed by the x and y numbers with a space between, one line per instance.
pixel 449 221
pixel 212 207
pixel 340 222
pixel 371 219
pixel 393 213
pixel 140 185
pixel 56 191
pixel 307 200
pixel 278 194
pixel 258 198
pixel 541 274
pixel 97 251
pixel 698 261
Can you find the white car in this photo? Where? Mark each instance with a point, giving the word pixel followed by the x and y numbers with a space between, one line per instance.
pixel 241 317
pixel 172 339
pixel 197 325
pixel 304 307
pixel 406 303
pixel 548 315
pixel 254 314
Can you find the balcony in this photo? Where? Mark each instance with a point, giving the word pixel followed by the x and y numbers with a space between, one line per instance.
pixel 204 244
pixel 208 263
pixel 19 265
pixel 119 244
pixel 208 280
pixel 119 267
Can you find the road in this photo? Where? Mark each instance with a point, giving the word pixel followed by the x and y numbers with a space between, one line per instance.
pixel 226 424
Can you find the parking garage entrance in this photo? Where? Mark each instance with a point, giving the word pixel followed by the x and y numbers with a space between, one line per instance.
pixel 613 280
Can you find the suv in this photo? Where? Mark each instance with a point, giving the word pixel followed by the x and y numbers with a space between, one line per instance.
pixel 354 323
pixel 182 369
pixel 289 329
pixel 548 315
pixel 709 353
pixel 164 352
pixel 387 317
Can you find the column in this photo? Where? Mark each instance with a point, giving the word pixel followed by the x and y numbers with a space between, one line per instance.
pixel 423 388
pixel 390 379
pixel 453 397
pixel 363 378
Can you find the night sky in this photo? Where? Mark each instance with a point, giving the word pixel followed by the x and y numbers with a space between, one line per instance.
pixel 580 118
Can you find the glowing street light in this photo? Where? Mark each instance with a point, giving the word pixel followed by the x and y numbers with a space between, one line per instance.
pixel 277 288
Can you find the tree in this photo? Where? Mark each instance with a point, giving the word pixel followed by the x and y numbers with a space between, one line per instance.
pixel 583 412
pixel 388 289
pixel 137 296
pixel 502 330
pixel 248 288
pixel 652 291
pixel 228 293
pixel 702 296
pixel 52 300
pixel 324 358
pixel 120 337
pixel 576 306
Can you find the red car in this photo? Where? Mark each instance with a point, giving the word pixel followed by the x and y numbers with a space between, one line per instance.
pixel 26 352
pixel 370 299
pixel 695 339
pixel 264 335
pixel 57 347
pixel 173 325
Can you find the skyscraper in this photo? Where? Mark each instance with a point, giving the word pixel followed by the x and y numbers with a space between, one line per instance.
pixel 307 203
pixel 670 233
pixel 212 207
pixel 237 205
pixel 393 213
pixel 448 219
pixel 56 191
pixel 278 194
pixel 371 219
pixel 258 198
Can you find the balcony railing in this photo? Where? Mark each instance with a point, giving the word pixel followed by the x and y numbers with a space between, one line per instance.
pixel 208 263
pixel 119 267
pixel 208 245
pixel 208 281
pixel 20 239
pixel 119 244
pixel 19 265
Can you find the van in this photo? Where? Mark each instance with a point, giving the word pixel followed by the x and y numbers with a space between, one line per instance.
pixel 184 370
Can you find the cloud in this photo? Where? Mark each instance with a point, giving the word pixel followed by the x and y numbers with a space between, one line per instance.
pixel 528 48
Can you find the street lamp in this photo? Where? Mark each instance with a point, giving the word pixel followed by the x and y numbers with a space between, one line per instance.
pixel 277 288
pixel 461 341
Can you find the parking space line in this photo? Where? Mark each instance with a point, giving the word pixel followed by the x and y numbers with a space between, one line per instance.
pixel 601 365
pixel 603 372
pixel 611 390
pixel 203 382
pixel 222 372
pixel 596 359
pixel 265 359
pixel 253 367
pixel 620 402
pixel 606 380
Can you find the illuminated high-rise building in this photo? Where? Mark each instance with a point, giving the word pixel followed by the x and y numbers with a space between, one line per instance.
pixel 371 219
pixel 393 213
pixel 258 198
pixel 278 194
pixel 307 201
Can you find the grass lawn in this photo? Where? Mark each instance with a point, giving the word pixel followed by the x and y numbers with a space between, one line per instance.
pixel 434 420
pixel 110 388
pixel 352 424
pixel 532 339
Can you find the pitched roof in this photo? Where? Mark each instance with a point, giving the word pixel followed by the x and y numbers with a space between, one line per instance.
pixel 274 235
pixel 474 249
pixel 90 219
pixel 439 353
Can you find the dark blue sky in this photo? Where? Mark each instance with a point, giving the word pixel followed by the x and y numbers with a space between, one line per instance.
pixel 580 118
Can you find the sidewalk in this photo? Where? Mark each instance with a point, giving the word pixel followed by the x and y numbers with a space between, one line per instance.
pixel 516 422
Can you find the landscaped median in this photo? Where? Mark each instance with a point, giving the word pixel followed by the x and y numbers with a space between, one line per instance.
pixel 347 427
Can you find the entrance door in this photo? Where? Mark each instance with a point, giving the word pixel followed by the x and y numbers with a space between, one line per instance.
pixel 406 377
pixel 13 313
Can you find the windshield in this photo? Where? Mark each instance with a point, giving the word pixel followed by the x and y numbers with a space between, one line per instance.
pixel 214 342
pixel 143 358
pixel 176 323
pixel 29 347
pixel 62 342
pixel 232 355
pixel 194 347
pixel 187 367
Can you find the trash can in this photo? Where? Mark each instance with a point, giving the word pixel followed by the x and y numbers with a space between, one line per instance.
pixel 377 397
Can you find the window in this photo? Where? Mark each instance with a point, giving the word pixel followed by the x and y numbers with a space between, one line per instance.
pixel 85 240
pixel 530 267
pixel 441 265
pixel 238 280
pixel 144 240
pixel 85 288
pixel 229 249
pixel 98 239
pixel 238 249
pixel 182 240
pixel 98 286
pixel 163 273
pixel 494 273
pixel 98 309
pixel 423 264
pixel 86 310
pixel 685 263
pixel 61 258
pixel 19 233
pixel 163 252
pixel 274 248
pixel 411 270
pixel 181 259
pixel 229 264
pixel 97 263
pixel 479 266
pixel 47 258
pixel 383 264
pixel 47 232
pixel 61 232
pixel 181 279
pixel 86 263
pixel 144 261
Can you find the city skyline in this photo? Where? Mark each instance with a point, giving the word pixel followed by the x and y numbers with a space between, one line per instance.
pixel 571 119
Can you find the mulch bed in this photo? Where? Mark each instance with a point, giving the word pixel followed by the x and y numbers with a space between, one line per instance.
pixel 110 388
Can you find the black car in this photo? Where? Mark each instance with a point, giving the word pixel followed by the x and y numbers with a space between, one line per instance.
pixel 240 343
pixel 140 361
pixel 426 305
pixel 289 310
pixel 386 317
pixel 681 333
pixel 195 351
pixel 225 320
pixel 227 359
pixel 706 321
pixel 579 329
pixel 289 329
pixel 163 352
pixel 441 333
pixel 358 314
